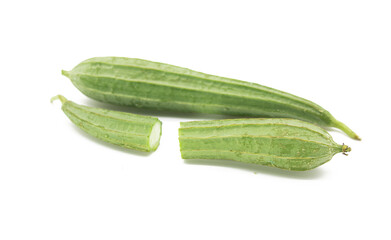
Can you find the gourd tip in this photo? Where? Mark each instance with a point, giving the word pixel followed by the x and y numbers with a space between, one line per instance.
pixel 346 129
pixel 65 73
pixel 345 149
pixel 58 97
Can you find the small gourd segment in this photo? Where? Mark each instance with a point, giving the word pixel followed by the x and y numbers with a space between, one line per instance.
pixel 120 128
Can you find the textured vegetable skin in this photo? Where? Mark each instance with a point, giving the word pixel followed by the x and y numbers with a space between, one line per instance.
pixel 146 84
pixel 283 143
pixel 123 129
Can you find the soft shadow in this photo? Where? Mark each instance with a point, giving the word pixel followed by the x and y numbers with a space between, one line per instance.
pixel 306 175
pixel 109 145
pixel 331 129
pixel 156 113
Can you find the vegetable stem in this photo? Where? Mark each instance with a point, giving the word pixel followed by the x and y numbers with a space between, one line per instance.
pixel 65 73
pixel 59 97
pixel 346 130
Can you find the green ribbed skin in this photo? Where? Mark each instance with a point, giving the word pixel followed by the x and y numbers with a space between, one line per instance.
pixel 123 129
pixel 283 143
pixel 145 84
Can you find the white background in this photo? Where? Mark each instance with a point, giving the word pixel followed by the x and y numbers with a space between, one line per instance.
pixel 58 183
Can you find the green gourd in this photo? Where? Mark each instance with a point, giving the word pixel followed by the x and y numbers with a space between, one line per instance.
pixel 283 143
pixel 123 129
pixel 145 84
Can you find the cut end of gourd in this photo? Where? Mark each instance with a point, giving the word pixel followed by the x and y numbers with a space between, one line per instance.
pixel 345 149
pixel 346 130
pixel 154 138
pixel 59 97
pixel 65 73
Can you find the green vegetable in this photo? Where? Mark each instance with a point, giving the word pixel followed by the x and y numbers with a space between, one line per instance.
pixel 146 84
pixel 122 129
pixel 283 143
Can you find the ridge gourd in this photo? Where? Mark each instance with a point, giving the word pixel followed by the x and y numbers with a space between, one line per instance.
pixel 145 84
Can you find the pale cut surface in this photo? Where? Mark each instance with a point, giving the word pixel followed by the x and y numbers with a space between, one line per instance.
pixel 154 138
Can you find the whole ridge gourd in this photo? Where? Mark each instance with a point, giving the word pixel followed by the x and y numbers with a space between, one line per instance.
pixel 146 84
pixel 289 144
pixel 120 128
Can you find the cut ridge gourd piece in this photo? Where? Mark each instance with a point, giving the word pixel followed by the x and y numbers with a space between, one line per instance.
pixel 284 143
pixel 123 129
